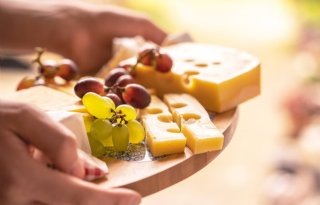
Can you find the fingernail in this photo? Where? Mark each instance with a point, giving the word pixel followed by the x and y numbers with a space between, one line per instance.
pixel 77 169
pixel 134 200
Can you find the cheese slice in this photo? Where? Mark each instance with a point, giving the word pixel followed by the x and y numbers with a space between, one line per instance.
pixel 194 121
pixel 163 136
pixel 219 78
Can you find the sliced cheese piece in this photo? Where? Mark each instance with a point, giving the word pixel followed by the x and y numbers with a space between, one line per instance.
pixel 188 113
pixel 219 78
pixel 74 122
pixel 163 136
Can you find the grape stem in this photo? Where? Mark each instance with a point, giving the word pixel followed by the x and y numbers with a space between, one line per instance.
pixel 154 53
pixel 116 116
pixel 114 89
pixel 40 52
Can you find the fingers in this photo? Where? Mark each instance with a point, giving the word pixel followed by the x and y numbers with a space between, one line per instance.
pixel 154 33
pixel 145 27
pixel 56 141
pixel 59 188
pixel 26 181
pixel 121 22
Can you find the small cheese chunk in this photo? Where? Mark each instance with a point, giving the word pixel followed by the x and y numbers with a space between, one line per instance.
pixel 163 135
pixel 74 122
pixel 219 78
pixel 202 135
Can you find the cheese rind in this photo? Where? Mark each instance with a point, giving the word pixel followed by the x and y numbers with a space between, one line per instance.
pixel 201 133
pixel 163 136
pixel 219 78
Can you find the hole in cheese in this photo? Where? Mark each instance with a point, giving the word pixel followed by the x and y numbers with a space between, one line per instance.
pixel 189 60
pixel 191 117
pixel 186 76
pixel 201 65
pixel 216 63
pixel 165 118
pixel 173 130
pixel 178 105
pixel 154 110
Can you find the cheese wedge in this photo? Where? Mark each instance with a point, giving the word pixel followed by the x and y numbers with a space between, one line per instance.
pixel 74 122
pixel 163 136
pixel 188 113
pixel 219 78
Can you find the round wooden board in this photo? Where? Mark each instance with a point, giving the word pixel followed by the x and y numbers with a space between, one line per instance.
pixel 148 177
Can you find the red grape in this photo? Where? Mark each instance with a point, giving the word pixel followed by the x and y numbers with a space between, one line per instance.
pixel 48 69
pixel 115 98
pixel 163 63
pixel 130 68
pixel 136 96
pixel 124 80
pixel 67 69
pixel 113 76
pixel 88 85
pixel 147 56
pixel 26 82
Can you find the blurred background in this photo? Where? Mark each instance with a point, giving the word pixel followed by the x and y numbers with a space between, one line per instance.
pixel 273 157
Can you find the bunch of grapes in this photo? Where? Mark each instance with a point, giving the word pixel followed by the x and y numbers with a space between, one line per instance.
pixel 120 93
pixel 48 71
pixel 114 126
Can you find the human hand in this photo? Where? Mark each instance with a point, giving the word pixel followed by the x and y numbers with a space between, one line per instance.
pixel 27 181
pixel 89 42
pixel 76 30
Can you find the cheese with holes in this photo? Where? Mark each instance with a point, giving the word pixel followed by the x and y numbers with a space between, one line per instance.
pixel 219 78
pixel 195 123
pixel 163 136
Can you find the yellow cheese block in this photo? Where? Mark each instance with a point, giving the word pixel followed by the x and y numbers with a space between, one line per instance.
pixel 219 78
pixel 163 136
pixel 194 121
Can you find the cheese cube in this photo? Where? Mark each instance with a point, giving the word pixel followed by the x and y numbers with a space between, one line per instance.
pixel 163 136
pixel 219 78
pixel 202 135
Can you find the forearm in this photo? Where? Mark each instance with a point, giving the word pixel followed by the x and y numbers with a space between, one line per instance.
pixel 75 30
pixel 25 25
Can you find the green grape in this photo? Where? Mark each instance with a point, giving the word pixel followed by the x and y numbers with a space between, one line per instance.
pixel 136 132
pixel 87 119
pixel 111 108
pixel 129 111
pixel 97 106
pixel 97 148
pixel 120 137
pixel 101 130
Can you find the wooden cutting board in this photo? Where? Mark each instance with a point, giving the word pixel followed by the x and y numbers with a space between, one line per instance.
pixel 145 175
